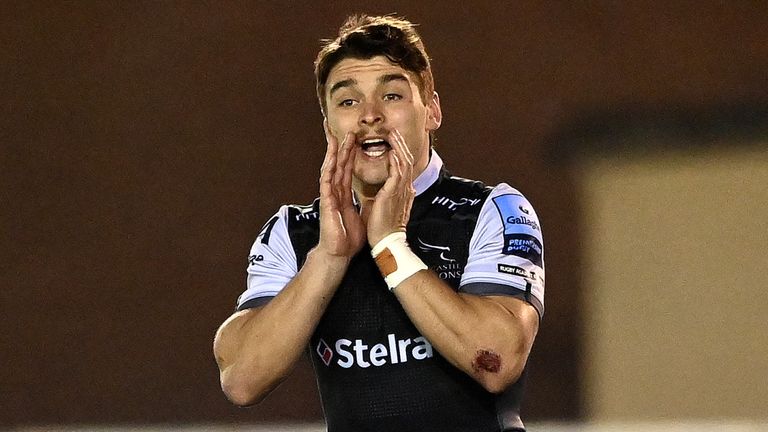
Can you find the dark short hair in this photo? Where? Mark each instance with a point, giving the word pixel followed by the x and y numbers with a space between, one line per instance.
pixel 364 37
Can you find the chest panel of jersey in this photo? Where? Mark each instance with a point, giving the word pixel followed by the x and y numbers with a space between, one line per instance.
pixel 374 369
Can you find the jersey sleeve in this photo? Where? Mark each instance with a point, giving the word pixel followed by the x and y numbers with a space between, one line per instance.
pixel 271 263
pixel 506 251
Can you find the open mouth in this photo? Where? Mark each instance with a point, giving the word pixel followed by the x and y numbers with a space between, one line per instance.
pixel 375 147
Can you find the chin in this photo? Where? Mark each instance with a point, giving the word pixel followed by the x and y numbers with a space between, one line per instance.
pixel 372 174
pixel 368 180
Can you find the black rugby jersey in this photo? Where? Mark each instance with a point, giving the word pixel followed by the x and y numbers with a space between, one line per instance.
pixel 375 372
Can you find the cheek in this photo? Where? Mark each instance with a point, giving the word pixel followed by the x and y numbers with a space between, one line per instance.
pixel 411 120
pixel 337 129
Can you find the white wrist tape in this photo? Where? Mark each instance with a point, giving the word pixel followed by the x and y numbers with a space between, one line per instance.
pixel 395 259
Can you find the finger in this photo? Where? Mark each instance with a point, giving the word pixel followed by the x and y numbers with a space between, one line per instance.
pixel 327 129
pixel 348 173
pixel 346 149
pixel 394 142
pixel 329 164
pixel 404 164
pixel 395 173
pixel 402 146
pixel 405 158
pixel 409 176
pixel 342 163
pixel 326 173
pixel 331 149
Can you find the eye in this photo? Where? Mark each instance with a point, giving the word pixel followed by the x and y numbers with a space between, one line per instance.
pixel 392 97
pixel 347 103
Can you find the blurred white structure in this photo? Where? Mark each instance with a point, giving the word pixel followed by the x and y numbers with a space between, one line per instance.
pixel 676 285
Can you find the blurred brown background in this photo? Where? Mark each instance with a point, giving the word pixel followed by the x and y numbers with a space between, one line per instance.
pixel 144 144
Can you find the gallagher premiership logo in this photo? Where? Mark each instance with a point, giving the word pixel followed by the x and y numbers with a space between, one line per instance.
pixel 522 220
pixel 518 240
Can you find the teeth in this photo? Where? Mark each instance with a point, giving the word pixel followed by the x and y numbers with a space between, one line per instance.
pixel 374 147
pixel 373 141
pixel 374 153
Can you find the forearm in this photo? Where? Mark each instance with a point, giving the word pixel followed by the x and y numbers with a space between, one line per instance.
pixel 487 338
pixel 256 349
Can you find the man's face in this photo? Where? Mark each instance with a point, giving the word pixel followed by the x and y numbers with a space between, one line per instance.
pixel 371 97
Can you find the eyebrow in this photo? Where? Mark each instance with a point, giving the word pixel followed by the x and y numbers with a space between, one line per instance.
pixel 341 84
pixel 392 77
pixel 382 80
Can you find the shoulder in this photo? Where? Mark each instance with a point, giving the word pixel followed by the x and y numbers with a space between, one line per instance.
pixel 513 208
pixel 301 213
pixel 289 221
pixel 462 184
pixel 457 195
pixel 292 214
pixel 300 225
pixel 505 198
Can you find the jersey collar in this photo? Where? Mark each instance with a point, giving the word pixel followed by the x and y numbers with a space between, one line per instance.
pixel 430 174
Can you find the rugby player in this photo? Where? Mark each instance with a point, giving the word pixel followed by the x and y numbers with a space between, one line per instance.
pixel 417 294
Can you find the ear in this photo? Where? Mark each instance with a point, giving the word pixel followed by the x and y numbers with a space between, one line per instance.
pixel 434 113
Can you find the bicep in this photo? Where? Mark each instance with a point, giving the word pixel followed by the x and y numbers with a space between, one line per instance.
pixel 512 318
pixel 228 336
pixel 521 315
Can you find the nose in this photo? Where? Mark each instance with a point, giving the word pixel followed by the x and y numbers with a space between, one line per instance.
pixel 371 114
